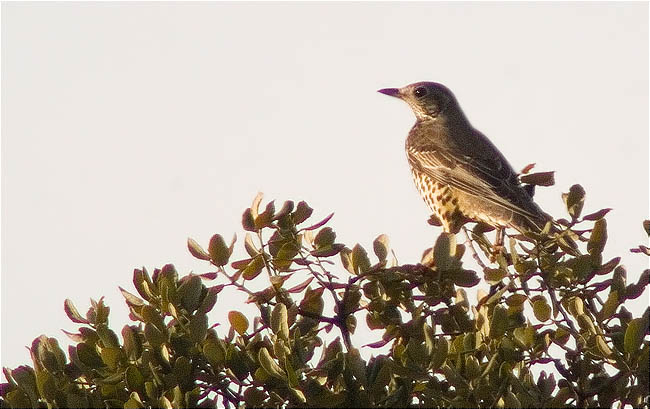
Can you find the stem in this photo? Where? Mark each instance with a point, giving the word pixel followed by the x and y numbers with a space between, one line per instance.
pixel 473 250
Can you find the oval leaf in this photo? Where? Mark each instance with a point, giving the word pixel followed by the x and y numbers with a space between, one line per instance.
pixel 219 251
pixel 196 250
pixel 238 321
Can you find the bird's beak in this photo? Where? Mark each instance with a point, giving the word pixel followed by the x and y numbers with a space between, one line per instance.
pixel 393 92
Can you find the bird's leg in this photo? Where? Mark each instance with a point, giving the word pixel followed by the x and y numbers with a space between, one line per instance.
pixel 498 244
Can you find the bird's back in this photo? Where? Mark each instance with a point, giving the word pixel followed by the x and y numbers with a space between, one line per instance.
pixel 484 184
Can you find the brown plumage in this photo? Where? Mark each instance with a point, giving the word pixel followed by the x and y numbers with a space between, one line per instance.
pixel 460 174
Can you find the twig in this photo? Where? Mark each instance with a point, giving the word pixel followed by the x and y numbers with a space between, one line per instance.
pixel 473 250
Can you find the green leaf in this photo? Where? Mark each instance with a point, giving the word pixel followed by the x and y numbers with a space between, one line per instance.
pixel 248 221
pixel 253 268
pixel 602 346
pixel 360 259
pixel 269 364
pixel 325 237
pixel 254 397
pixel 541 309
pixel 111 357
pixel 238 321
pixel 72 313
pixel 132 344
pixel 182 368
pixel 440 354
pixel 196 250
pixel 134 402
pixel 25 377
pixel 279 321
pixel 598 237
pixel 285 255
pixel 525 336
pixel 190 292
pixel 610 306
pixel 18 399
pixel 465 278
pixel 576 306
pixel 634 335
pixel 107 336
pixel 586 324
pixel 381 246
pixel 131 300
pixel 198 327
pixel 346 260
pixel 499 322
pixel 88 356
pixel 328 251
pixel 153 335
pixel 444 251
pixel 210 299
pixel 152 315
pixel 134 379
pixel 287 207
pixel 494 275
pixel 574 200
pixel 516 299
pixel 46 385
pixel 302 212
pixel 214 353
pixel 142 282
pixel 219 251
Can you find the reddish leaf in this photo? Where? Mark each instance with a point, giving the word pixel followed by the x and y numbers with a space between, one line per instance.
pixel 527 168
pixel 74 336
pixel 600 286
pixel 72 312
pixel 597 215
pixel 377 344
pixel 239 264
pixel 279 280
pixel 302 213
pixel 131 299
pixel 328 251
pixel 641 249
pixel 216 289
pixel 209 276
pixel 298 288
pixel 320 223
pixel 196 250
pixel 287 208
pixel 609 266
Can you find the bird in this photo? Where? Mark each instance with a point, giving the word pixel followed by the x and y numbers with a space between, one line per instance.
pixel 459 172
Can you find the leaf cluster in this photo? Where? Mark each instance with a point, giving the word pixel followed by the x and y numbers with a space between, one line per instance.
pixel 552 331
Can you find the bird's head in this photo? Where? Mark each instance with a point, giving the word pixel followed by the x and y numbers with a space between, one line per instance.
pixel 428 100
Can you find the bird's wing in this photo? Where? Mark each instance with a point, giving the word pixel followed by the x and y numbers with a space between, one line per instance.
pixel 490 177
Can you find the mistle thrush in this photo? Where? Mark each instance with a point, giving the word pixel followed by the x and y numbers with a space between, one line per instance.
pixel 460 174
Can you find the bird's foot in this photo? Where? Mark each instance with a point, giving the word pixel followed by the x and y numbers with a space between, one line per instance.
pixel 497 249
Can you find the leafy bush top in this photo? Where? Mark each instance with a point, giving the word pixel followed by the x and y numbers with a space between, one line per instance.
pixel 550 304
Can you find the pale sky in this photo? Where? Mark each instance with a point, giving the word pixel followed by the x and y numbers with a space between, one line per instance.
pixel 128 128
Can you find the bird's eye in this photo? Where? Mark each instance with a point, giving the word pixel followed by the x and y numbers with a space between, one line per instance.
pixel 420 92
